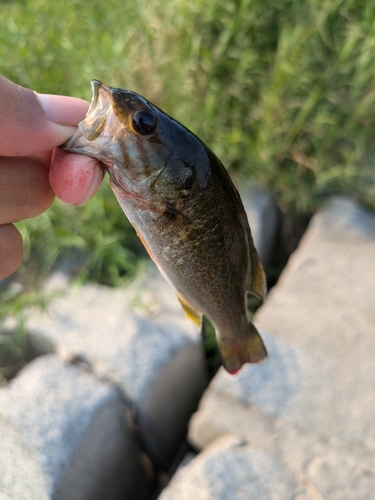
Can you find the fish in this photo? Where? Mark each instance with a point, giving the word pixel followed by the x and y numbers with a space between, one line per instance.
pixel 185 209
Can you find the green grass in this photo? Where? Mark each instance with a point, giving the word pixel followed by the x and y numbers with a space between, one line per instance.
pixel 282 91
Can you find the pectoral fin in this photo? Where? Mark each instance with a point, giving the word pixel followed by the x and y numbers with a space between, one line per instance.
pixel 193 314
pixel 175 215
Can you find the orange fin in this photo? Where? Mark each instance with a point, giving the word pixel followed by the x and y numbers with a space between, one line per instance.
pixel 258 283
pixel 193 314
pixel 249 349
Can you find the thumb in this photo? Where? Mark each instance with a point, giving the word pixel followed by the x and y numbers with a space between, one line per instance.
pixel 33 123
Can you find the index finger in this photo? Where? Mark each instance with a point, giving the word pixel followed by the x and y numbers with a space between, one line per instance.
pixel 33 123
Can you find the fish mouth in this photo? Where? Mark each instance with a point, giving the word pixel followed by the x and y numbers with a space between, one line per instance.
pixel 82 142
pixel 93 125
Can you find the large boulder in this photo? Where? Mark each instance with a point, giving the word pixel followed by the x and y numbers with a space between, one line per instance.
pixel 231 469
pixel 65 435
pixel 311 405
pixel 138 338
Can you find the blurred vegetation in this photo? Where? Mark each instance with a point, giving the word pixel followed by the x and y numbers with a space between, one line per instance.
pixel 283 91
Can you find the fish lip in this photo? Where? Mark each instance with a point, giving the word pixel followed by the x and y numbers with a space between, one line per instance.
pixel 93 123
pixel 100 92
pixel 95 86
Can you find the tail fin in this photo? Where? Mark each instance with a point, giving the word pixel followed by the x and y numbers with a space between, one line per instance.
pixel 249 349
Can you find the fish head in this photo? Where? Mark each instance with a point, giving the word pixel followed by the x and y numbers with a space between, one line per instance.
pixel 128 134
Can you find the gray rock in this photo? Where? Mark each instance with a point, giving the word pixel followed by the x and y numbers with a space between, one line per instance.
pixel 230 469
pixel 64 436
pixel 352 478
pixel 21 477
pixel 322 470
pixel 139 338
pixel 264 219
pixel 312 402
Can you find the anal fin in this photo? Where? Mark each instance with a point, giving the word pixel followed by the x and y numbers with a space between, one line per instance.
pixel 258 283
pixel 193 314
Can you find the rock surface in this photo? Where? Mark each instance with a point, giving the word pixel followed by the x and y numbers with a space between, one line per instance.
pixel 264 219
pixel 311 405
pixel 231 469
pixel 138 338
pixel 64 435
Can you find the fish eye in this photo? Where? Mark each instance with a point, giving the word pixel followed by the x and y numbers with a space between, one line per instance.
pixel 144 121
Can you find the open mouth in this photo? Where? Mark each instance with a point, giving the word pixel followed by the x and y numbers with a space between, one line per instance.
pixel 82 142
pixel 92 126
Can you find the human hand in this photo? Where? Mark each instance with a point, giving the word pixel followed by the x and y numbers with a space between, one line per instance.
pixel 32 171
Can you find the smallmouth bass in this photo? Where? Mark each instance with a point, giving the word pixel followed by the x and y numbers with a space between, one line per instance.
pixel 185 209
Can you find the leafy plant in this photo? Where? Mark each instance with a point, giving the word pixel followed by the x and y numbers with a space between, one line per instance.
pixel 282 91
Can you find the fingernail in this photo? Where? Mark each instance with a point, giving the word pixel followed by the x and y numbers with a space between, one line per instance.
pixel 63 110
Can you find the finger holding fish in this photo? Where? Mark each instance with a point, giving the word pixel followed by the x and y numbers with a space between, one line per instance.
pixel 74 179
